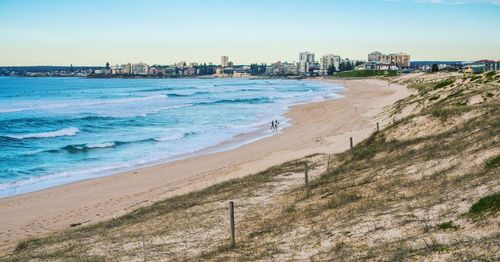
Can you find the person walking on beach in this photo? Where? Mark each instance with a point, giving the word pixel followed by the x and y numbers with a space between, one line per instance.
pixel 272 125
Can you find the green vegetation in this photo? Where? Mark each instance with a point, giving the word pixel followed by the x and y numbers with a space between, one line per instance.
pixel 444 83
pixel 436 97
pixel 447 226
pixel 488 205
pixel 366 73
pixel 476 77
pixel 493 162
pixel 491 74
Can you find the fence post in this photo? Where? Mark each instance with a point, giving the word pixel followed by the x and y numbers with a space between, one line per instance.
pixel 306 176
pixel 350 140
pixel 378 128
pixel 328 163
pixel 231 217
pixel 144 248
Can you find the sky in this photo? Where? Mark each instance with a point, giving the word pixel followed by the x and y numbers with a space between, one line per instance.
pixel 91 32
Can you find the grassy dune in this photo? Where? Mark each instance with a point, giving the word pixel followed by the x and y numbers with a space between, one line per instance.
pixel 425 187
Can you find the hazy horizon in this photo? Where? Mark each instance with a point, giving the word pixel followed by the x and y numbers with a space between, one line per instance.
pixel 91 33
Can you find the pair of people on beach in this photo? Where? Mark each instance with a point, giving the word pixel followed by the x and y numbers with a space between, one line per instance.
pixel 274 125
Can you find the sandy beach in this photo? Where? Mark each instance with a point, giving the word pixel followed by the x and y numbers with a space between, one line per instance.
pixel 321 127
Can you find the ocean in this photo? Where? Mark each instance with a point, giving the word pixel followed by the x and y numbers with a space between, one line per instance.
pixel 55 131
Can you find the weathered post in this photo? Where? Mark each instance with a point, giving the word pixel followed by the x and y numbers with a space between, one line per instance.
pixel 350 140
pixel 378 128
pixel 144 248
pixel 306 176
pixel 328 163
pixel 231 217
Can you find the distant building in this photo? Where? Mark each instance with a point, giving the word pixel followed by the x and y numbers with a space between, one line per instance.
pixel 224 72
pixel 401 60
pixel 374 65
pixel 328 61
pixel 140 69
pixel 127 69
pixel 241 73
pixel 306 62
pixel 482 66
pixel 224 61
pixel 282 69
pixel 116 70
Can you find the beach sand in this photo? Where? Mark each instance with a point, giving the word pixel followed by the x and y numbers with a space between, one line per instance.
pixel 321 127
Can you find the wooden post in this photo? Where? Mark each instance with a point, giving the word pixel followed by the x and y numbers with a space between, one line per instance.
pixel 144 248
pixel 328 163
pixel 350 140
pixel 231 217
pixel 378 128
pixel 306 176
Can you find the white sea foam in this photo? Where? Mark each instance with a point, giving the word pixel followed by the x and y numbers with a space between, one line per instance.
pixel 57 104
pixel 169 137
pixel 175 106
pixel 70 131
pixel 100 145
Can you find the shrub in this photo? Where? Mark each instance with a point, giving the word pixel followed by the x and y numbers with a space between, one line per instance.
pixel 488 205
pixel 434 98
pixel 493 162
pixel 491 74
pixel 444 83
pixel 448 225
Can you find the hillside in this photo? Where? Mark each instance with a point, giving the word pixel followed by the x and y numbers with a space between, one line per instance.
pixel 426 187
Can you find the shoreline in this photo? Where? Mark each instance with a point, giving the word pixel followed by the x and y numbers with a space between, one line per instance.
pixel 333 121
pixel 240 139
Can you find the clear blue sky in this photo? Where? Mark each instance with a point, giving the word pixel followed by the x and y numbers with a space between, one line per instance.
pixel 63 32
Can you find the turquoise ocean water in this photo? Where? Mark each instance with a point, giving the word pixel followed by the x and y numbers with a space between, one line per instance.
pixel 60 130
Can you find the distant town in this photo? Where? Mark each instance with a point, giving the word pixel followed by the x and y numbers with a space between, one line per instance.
pixel 307 66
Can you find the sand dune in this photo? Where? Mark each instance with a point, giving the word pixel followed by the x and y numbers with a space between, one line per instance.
pixel 323 127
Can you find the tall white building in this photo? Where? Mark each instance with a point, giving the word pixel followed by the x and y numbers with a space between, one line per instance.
pixel 224 61
pixel 306 59
pixel 330 60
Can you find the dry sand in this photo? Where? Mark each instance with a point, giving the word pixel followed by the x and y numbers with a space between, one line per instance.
pixel 322 127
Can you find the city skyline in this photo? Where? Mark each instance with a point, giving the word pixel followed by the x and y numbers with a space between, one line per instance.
pixel 92 33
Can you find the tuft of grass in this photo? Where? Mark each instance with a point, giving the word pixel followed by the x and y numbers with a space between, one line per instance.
pixel 493 162
pixel 444 83
pixel 488 205
pixel 436 97
pixel 435 246
pixel 491 74
pixel 476 77
pixel 448 226
pixel 342 200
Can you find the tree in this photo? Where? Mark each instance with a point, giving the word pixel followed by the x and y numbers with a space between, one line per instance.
pixel 107 65
pixel 348 66
pixel 331 69
pixel 435 68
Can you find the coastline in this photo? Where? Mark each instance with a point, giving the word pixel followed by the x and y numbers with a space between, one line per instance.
pixel 318 127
